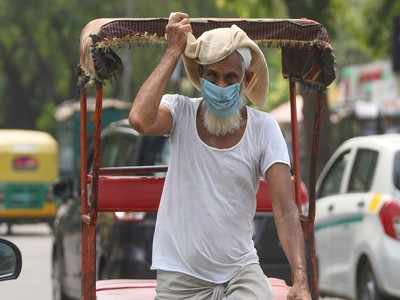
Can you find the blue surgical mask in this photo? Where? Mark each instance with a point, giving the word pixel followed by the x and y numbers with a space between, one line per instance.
pixel 221 101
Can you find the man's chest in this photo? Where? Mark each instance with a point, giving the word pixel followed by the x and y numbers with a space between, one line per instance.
pixel 197 161
pixel 222 141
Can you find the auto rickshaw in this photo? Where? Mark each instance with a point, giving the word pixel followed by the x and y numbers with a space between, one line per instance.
pixel 307 58
pixel 28 169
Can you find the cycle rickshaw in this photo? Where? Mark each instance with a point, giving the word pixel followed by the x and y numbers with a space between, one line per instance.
pixel 307 57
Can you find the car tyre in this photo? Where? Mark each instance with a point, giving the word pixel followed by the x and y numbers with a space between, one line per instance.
pixel 367 288
pixel 57 277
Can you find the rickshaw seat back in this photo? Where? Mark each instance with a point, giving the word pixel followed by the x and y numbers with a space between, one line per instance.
pixel 143 194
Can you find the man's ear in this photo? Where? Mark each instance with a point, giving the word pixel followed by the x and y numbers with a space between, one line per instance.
pixel 248 76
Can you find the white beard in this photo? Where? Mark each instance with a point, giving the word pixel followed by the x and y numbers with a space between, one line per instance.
pixel 221 126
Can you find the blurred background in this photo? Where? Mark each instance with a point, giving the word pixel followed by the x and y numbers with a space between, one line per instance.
pixel 39 44
pixel 39 53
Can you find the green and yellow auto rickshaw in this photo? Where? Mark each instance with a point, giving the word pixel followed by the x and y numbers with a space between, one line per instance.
pixel 28 169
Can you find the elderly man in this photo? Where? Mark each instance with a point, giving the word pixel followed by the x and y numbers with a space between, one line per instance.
pixel 203 246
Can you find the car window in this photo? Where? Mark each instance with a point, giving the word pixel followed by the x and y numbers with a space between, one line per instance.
pixel 396 170
pixel 333 179
pixel 119 149
pixel 363 170
pixel 110 150
pixel 153 151
pixel 128 150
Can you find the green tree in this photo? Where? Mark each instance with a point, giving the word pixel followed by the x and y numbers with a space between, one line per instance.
pixel 39 51
pixel 38 54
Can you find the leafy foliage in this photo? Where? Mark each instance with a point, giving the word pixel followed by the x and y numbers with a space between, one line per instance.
pixel 39 50
pixel 39 43
pixel 38 53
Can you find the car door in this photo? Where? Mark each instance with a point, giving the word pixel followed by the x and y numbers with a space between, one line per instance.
pixel 70 225
pixel 72 241
pixel 330 188
pixel 350 209
pixel 120 149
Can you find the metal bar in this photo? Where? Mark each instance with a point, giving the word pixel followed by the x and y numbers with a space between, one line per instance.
pixel 310 237
pixel 131 171
pixel 88 259
pixel 83 151
pixel 88 289
pixel 89 219
pixel 96 151
pixel 295 142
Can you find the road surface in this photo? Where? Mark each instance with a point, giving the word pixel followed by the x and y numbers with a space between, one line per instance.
pixel 34 282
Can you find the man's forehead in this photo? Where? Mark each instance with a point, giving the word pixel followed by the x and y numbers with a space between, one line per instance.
pixel 232 61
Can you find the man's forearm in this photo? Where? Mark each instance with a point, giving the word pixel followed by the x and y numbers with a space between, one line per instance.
pixel 292 239
pixel 145 106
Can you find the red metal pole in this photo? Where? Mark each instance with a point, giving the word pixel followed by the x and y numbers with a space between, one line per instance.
pixel 83 152
pixel 88 259
pixel 86 228
pixel 295 142
pixel 310 237
pixel 97 149
pixel 90 208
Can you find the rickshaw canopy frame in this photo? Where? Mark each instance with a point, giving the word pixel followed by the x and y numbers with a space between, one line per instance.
pixel 307 57
pixel 311 62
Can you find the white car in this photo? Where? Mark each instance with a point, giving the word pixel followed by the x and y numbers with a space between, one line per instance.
pixel 358 219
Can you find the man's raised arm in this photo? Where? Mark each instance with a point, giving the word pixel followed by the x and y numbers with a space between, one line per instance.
pixel 146 115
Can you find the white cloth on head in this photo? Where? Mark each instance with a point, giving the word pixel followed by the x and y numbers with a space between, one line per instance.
pixel 214 45
pixel 205 220
pixel 245 53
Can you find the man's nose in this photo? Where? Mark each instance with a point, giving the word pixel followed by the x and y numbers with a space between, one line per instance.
pixel 221 83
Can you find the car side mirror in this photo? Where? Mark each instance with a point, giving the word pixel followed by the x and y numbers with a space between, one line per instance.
pixel 63 190
pixel 10 260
